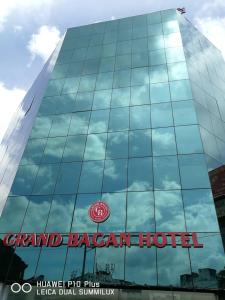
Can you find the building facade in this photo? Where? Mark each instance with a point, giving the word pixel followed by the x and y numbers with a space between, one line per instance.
pixel 133 115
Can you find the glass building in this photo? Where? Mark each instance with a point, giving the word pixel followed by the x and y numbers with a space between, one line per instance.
pixel 132 112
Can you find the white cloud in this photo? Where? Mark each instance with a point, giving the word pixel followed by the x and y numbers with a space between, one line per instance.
pixel 210 7
pixel 9 101
pixel 26 6
pixel 44 41
pixel 17 28
pixel 214 30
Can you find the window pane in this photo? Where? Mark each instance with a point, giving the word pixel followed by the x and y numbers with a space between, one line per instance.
pixel 169 217
pixel 140 217
pixel 63 104
pixel 170 274
pixel 37 214
pixel 140 117
pixel 75 258
pixel 140 95
pixel 193 171
pixel 115 175
pixel 139 76
pixel 33 152
pixel 102 99
pixel 140 143
pixel 139 45
pixel 141 266
pixel 161 115
pixel 139 59
pixel 83 101
pixel 54 87
pixel 117 219
pixel 24 180
pixel 81 220
pixel 109 50
pixel 166 173
pixel 54 150
pixel 79 123
pixel 177 71
pixel 13 214
pixel 121 79
pixel 104 81
pixel 61 209
pixel 155 29
pixel 69 174
pixel 140 174
pixel 120 97
pixel 60 125
pixel 41 127
pixel 173 40
pixel 156 42
pixel 170 27
pixel 123 47
pixel 159 92
pixel 188 139
pixel 91 177
pixel 119 119
pixel 51 263
pixel 180 90
pixel 28 255
pixel 158 74
pixel 117 145
pixel 174 55
pixel 184 113
pixel 99 121
pixel 46 179
pixel 95 147
pixel 75 69
pixel 79 54
pixel 157 57
pixel 91 66
pixel 116 258
pixel 71 85
pixel 200 211
pixel 87 83
pixel 210 258
pixel 123 62
pixel 74 148
pixel 163 141
pixel 107 64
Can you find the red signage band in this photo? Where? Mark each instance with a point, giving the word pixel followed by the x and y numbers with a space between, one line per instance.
pixel 99 239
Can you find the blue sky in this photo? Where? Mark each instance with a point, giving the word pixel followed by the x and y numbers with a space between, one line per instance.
pixel 30 29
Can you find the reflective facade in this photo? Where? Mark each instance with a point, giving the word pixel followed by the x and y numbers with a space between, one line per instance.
pixel 122 120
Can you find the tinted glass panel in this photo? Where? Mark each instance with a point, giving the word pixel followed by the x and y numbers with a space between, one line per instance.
pixel 163 141
pixel 140 143
pixel 115 175
pixel 69 174
pixel 169 217
pixel 166 173
pixel 140 174
pixel 161 115
pixel 193 171
pixel 119 119
pixel 117 145
pixel 91 177
pixel 140 117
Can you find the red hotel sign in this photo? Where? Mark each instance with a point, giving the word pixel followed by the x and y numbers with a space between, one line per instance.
pixel 99 212
pixel 157 239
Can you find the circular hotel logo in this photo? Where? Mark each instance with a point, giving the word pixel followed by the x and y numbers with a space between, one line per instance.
pixel 99 212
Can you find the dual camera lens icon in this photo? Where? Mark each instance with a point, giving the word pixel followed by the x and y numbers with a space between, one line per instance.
pixel 17 288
